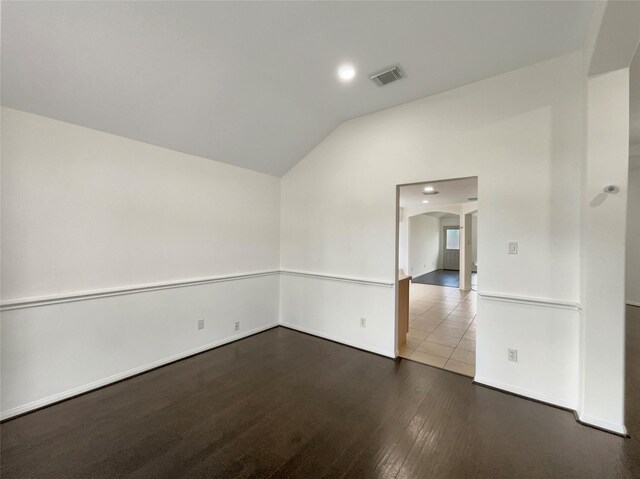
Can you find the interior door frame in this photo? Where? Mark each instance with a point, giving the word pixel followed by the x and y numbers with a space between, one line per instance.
pixel 397 243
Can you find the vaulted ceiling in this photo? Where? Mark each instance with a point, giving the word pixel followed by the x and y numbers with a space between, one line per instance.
pixel 254 83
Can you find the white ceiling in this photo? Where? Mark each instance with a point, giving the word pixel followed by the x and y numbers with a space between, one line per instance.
pixel 449 192
pixel 254 84
pixel 439 214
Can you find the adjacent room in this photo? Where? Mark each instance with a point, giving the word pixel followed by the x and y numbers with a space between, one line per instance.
pixel 313 239
pixel 438 256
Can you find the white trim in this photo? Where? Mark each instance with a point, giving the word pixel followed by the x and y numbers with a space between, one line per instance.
pixel 607 425
pixel 126 374
pixel 532 301
pixel 335 277
pixel 313 332
pixel 525 392
pixel 143 288
pixel 634 303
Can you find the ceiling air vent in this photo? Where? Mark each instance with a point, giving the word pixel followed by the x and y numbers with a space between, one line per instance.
pixel 387 76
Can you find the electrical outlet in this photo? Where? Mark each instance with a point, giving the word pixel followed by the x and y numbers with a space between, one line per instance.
pixel 512 355
pixel 201 324
pixel 237 326
pixel 363 322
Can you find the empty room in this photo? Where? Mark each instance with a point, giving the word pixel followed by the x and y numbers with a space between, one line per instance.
pixel 319 239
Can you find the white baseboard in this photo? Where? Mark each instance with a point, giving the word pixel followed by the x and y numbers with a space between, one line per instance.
pixel 584 419
pixel 16 411
pixel 381 352
pixel 606 425
pixel 525 392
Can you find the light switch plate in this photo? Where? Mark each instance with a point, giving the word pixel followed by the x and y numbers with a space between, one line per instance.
pixel 513 247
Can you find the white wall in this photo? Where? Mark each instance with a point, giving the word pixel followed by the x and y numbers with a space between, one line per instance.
pixel 424 244
pixel 403 241
pixel 604 218
pixel 521 134
pixel 88 212
pixel 84 210
pixel 633 238
pixel 55 351
pixel 314 304
pixel 474 241
pixel 546 337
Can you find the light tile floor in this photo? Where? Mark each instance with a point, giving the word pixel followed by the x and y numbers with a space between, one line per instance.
pixel 442 328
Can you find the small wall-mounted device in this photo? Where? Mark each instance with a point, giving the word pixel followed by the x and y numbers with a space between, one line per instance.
pixel 610 189
pixel 513 247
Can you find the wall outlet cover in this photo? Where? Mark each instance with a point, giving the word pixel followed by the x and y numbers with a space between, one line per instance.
pixel 512 355
pixel 201 324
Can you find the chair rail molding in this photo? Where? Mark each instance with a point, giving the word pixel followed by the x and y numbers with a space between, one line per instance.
pixel 143 288
pixel 530 300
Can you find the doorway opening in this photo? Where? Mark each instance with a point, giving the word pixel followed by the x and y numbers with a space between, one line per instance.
pixel 448 273
pixel 437 273
pixel 451 248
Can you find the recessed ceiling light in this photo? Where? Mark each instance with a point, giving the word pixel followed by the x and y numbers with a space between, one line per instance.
pixel 425 201
pixel 346 73
pixel 428 188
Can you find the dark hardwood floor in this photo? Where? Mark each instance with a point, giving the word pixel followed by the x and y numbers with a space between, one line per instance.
pixel 444 277
pixel 285 404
